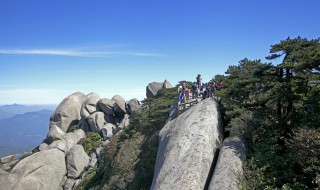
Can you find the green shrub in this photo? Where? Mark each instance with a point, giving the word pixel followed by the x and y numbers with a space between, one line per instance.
pixel 92 141
pixel 73 128
pixel 305 146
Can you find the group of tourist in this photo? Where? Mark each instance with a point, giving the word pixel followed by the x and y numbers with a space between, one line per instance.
pixel 198 89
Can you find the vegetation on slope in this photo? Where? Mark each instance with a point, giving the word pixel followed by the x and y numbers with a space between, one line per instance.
pixel 129 160
pixel 276 109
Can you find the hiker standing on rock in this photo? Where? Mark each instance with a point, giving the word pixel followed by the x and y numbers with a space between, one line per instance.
pixel 194 90
pixel 199 79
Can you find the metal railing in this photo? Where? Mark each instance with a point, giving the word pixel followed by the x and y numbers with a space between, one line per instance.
pixel 184 106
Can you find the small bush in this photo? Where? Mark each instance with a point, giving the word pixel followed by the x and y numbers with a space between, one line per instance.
pixel 73 128
pixel 91 142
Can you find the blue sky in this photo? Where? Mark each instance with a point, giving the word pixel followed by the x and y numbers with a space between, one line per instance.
pixel 50 49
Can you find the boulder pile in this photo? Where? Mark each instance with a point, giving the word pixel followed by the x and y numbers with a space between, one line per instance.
pixel 60 161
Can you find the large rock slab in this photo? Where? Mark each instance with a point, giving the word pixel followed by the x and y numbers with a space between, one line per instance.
pixel 77 159
pixel 187 147
pixel 229 165
pixel 90 105
pixel 68 111
pixel 106 105
pixel 42 170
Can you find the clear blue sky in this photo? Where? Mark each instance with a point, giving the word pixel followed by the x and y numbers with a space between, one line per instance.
pixel 50 49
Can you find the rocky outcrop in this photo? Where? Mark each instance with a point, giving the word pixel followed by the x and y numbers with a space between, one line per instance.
pixel 59 144
pixel 96 121
pixel 106 105
pixel 173 111
pixel 68 111
pixel 7 159
pixel 77 160
pixel 61 162
pixel 55 133
pixel 229 165
pixel 119 105
pixel 90 105
pixel 107 131
pixel 187 147
pixel 4 184
pixel 124 122
pixel 166 84
pixel 133 106
pixel 73 138
pixel 42 170
pixel 153 88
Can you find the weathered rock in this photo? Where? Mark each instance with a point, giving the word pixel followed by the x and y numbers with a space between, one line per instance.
pixel 69 184
pixel 7 159
pixel 173 111
pixel 166 84
pixel 187 147
pixel 42 170
pixel 119 105
pixel 109 119
pixel 124 122
pixel 43 146
pixel 106 105
pixel 153 88
pixel 77 159
pixel 73 138
pixel 84 125
pixel 4 184
pixel 59 144
pixel 229 165
pixel 9 165
pixel 90 105
pixel 77 182
pixel 63 181
pixel 55 133
pixel 2 172
pixel 107 131
pixel 93 160
pixel 99 150
pixel 96 121
pixel 133 106
pixel 105 143
pixel 68 111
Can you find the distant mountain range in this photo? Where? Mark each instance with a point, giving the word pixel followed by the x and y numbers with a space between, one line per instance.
pixel 22 128
pixel 7 111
